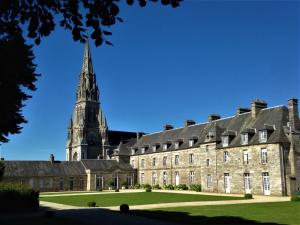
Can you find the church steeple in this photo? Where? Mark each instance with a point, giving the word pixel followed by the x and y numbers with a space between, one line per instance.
pixel 87 88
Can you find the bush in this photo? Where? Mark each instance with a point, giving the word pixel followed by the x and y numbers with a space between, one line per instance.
pixel 295 198
pixel 169 187
pixel 16 197
pixel 156 186
pixel 99 189
pixel 124 208
pixel 117 190
pixel 111 183
pixel 248 196
pixel 196 187
pixel 91 204
pixel 181 187
pixel 145 186
pixel 137 186
pixel 148 189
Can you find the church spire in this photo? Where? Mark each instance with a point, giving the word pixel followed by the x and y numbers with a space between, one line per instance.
pixel 87 66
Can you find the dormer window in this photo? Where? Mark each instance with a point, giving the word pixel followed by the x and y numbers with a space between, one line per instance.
pixel 143 150
pixel 176 144
pixel 225 141
pixel 165 146
pixel 154 148
pixel 263 136
pixel 191 142
pixel 244 139
pixel 132 151
pixel 210 136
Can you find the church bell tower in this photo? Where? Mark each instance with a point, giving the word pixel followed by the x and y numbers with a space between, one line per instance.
pixel 87 130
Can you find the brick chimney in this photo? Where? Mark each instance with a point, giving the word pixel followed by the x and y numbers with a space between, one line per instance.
pixel 256 106
pixel 294 114
pixel 189 123
pixel 213 117
pixel 168 127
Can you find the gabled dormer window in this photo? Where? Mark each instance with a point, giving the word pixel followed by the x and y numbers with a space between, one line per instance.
pixel 191 142
pixel 154 148
pixel 132 151
pixel 165 146
pixel 244 139
pixel 225 141
pixel 263 136
pixel 176 145
pixel 143 150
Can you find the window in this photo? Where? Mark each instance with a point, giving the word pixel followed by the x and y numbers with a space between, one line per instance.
pixel 264 155
pixel 176 145
pixel 165 146
pixel 191 143
pixel 99 182
pixel 143 163
pixel 81 183
pixel 206 148
pixel 71 183
pixel 192 177
pixel 176 159
pixel 165 160
pixel 82 155
pixel 154 148
pixel 247 183
pixel 263 136
pixel 209 180
pixel 165 178
pixel 191 158
pixel 226 157
pixel 244 139
pixel 143 150
pixel 142 178
pixel 132 163
pixel 132 151
pixel 177 178
pixel 154 162
pixel 61 184
pixel 207 162
pixel 154 178
pixel 225 141
pixel 245 157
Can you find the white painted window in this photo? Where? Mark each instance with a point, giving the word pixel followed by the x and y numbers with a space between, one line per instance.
pixel 165 178
pixel 192 177
pixel 266 183
pixel 142 178
pixel 165 146
pixel 165 160
pixel 264 155
pixel 209 180
pixel 191 158
pixel 143 150
pixel 176 159
pixel 132 151
pixel 226 156
pixel 263 136
pixel 247 183
pixel 154 148
pixel 191 143
pixel 177 178
pixel 142 163
pixel 132 163
pixel 154 178
pixel 245 157
pixel 244 139
pixel 176 145
pixel 227 185
pixel 225 141
pixel 153 161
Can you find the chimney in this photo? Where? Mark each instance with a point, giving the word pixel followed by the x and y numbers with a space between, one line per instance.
pixel 242 110
pixel 213 117
pixel 168 127
pixel 256 106
pixel 51 159
pixel 189 123
pixel 294 114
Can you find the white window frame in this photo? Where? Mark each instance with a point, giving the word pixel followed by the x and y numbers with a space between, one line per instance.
pixel 154 148
pixel 225 141
pixel 264 155
pixel 142 178
pixel 191 158
pixel 143 150
pixel 154 178
pixel 192 177
pixel 244 139
pixel 226 156
pixel 176 161
pixel 263 136
pixel 209 180
pixel 132 162
pixel 165 178
pixel 142 163
pixel 165 146
pixel 247 182
pixel 191 142
pixel 245 157
pixel 165 158
pixel 176 145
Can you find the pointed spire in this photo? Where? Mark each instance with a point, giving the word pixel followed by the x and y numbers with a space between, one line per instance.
pixel 87 66
pixel 104 122
pixel 70 123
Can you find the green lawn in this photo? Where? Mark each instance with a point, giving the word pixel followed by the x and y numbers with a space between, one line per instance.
pixel 66 192
pixel 272 213
pixel 140 198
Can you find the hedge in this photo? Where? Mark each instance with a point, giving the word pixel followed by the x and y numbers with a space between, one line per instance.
pixel 16 198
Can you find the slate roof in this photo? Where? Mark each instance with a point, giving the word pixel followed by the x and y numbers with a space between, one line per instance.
pixel 275 117
pixel 60 168
pixel 115 137
pixel 124 148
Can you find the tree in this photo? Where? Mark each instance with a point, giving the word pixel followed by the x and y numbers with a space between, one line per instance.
pixel 38 18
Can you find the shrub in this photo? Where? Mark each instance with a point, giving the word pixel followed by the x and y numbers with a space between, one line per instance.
pixel 99 189
pixel 148 189
pixel 156 186
pixel 181 187
pixel 196 187
pixel 111 183
pixel 169 187
pixel 49 214
pixel 295 198
pixel 248 196
pixel 137 186
pixel 91 204
pixel 15 197
pixel 124 183
pixel 124 208
pixel 116 190
pixel 145 186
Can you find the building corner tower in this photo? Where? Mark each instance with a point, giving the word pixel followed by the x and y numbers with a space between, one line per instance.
pixel 87 130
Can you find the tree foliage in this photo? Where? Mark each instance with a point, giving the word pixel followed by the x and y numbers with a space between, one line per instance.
pixel 38 19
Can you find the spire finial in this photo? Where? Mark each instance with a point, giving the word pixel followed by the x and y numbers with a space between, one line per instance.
pixel 87 66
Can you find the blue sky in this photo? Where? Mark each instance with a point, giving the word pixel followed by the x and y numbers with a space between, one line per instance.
pixel 167 65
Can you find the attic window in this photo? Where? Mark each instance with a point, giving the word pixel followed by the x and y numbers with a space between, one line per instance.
pixel 176 144
pixel 132 151
pixel 165 146
pixel 244 139
pixel 143 150
pixel 209 136
pixel 225 141
pixel 191 142
pixel 263 136
pixel 154 148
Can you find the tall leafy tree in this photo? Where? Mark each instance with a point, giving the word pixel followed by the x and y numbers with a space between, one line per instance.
pixel 37 18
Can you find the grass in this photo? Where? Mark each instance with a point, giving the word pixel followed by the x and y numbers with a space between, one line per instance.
pixel 141 198
pixel 255 213
pixel 66 192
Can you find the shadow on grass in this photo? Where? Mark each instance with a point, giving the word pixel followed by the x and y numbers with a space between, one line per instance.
pixel 185 218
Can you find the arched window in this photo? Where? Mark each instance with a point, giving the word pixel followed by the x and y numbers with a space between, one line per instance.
pixel 75 156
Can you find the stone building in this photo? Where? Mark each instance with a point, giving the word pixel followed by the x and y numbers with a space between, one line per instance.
pixel 255 151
